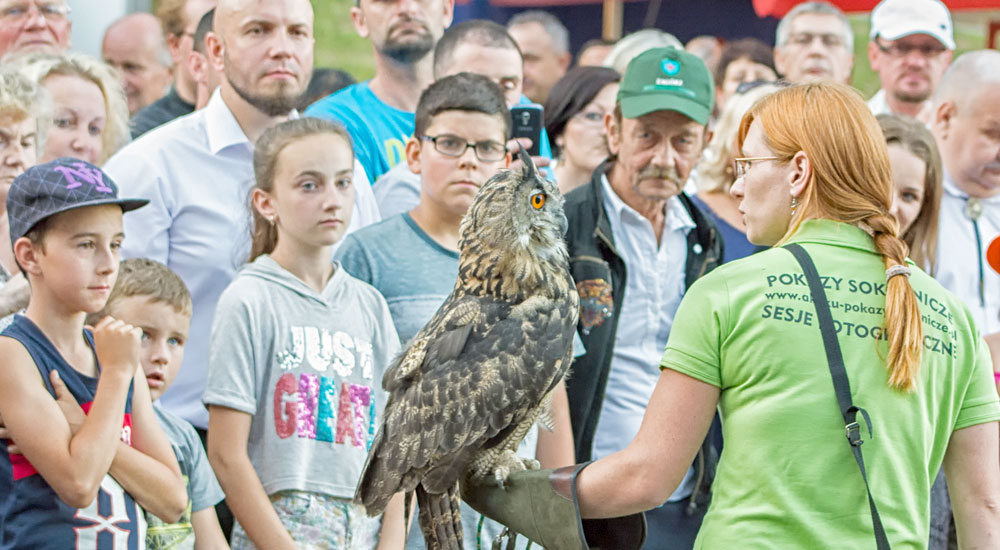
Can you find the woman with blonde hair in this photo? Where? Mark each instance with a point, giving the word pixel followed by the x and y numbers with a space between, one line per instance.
pixel 716 173
pixel 762 338
pixel 89 110
pixel 917 188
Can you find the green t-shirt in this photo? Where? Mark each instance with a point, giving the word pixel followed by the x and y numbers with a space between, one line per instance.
pixel 787 478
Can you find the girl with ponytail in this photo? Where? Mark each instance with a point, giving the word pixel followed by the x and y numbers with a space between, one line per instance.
pixel 814 174
pixel 297 354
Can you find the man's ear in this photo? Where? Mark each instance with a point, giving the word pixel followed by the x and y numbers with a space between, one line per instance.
pixel 779 61
pixel 873 56
pixel 800 175
pixel 448 15
pixel 174 45
pixel 26 253
pixel 360 24
pixel 413 154
pixel 612 132
pixel 944 114
pixel 215 51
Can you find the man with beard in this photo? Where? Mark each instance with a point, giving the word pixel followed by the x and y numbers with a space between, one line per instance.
pixel 911 47
pixel 814 42
pixel 378 113
pixel 197 171
pixel 636 243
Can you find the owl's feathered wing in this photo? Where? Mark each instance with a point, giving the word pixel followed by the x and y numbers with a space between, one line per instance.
pixel 469 377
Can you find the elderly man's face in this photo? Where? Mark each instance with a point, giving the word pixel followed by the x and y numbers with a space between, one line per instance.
pixel 656 153
pixel 911 67
pixel 137 50
pixel 266 51
pixel 34 25
pixel 815 50
pixel 968 133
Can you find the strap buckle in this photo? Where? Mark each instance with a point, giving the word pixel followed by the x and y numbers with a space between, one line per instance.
pixel 853 433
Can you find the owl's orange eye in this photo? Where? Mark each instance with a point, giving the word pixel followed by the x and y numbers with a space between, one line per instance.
pixel 538 200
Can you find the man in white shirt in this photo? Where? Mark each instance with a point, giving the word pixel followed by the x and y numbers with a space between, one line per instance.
pixel 966 125
pixel 910 48
pixel 636 243
pixel 197 170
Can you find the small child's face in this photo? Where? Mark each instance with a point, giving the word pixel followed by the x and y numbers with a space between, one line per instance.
pixel 77 258
pixel 164 332
pixel 449 181
pixel 312 198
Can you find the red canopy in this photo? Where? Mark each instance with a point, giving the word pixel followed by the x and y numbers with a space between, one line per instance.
pixel 778 8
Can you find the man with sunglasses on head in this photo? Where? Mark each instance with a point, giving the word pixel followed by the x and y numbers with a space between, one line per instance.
pixel 34 25
pixel 910 49
pixel 814 42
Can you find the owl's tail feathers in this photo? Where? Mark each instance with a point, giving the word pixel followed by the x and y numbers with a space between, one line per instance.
pixel 440 518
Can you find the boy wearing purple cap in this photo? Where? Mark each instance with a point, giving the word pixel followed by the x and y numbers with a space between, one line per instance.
pixel 89 455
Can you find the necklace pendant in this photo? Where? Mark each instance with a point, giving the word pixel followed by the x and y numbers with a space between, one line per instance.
pixel 973 208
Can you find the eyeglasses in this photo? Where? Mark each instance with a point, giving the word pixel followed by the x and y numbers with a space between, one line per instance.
pixel 454 146
pixel 829 39
pixel 22 11
pixel 928 51
pixel 743 164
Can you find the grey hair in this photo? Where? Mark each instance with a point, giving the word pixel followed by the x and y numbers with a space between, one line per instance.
pixel 553 27
pixel 21 97
pixel 819 8
pixel 626 49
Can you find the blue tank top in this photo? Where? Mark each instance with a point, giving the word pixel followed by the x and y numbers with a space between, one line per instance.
pixel 31 514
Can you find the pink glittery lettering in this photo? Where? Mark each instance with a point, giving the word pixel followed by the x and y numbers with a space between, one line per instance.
pixel 308 399
pixel 285 405
pixel 361 396
pixel 344 416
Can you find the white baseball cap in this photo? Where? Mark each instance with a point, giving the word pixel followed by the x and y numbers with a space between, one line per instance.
pixel 894 19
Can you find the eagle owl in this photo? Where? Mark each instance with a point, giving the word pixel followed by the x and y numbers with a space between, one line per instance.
pixel 470 385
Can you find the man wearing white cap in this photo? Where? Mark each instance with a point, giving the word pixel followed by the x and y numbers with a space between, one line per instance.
pixel 911 47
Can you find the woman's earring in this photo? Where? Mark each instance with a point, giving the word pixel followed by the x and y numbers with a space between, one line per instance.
pixel 795 204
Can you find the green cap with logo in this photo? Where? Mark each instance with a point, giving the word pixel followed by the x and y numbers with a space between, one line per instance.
pixel 667 79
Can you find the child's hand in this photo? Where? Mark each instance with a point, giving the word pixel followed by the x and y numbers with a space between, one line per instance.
pixel 117 345
pixel 67 404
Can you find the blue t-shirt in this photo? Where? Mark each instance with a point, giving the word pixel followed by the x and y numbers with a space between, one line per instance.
pixel 31 513
pixel 378 130
pixel 380 253
pixel 736 243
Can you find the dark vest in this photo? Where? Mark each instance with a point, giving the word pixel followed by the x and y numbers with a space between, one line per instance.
pixel 31 514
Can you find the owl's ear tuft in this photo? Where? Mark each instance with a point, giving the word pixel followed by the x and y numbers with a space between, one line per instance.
pixel 528 171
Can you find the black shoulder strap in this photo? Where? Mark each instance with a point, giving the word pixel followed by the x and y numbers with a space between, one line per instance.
pixel 841 385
